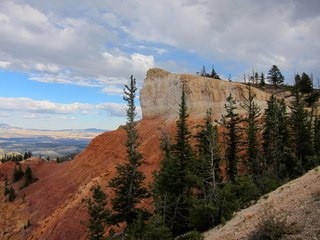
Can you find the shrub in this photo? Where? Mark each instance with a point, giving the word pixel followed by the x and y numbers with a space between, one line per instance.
pixel 272 227
pixel 12 194
pixel 202 216
pixel 193 235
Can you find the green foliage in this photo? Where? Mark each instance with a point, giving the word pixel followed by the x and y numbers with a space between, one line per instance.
pixel 266 183
pixel 27 155
pixel 304 83
pixel 272 227
pixel 204 73
pixel 231 137
pixel 276 139
pixel 209 160
pixel 251 129
pixel 154 229
pixel 202 216
pixel 300 122
pixel 128 182
pixel 28 177
pixel 98 214
pixel 17 173
pixel 262 80
pixel 174 182
pixel 316 135
pixel 12 194
pixel 6 190
pixel 193 235
pixel 275 76
pixel 312 98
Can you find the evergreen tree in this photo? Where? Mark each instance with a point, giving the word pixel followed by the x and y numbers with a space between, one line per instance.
pixel 256 78
pixel 231 135
pixel 276 138
pixel 18 173
pixel 98 214
pixel 28 177
pixel 182 149
pixel 275 76
pixel 6 189
pixel 262 80
pixel 12 194
pixel 251 128
pixel 174 181
pixel 214 74
pixel 203 72
pixel 304 84
pixel 209 157
pixel 301 131
pixel 316 135
pixel 128 182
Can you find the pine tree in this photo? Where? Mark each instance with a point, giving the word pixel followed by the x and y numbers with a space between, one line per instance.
pixel 262 80
pixel 276 138
pixel 98 214
pixel 174 181
pixel 182 149
pixel 209 157
pixel 316 135
pixel 251 128
pixel 256 78
pixel 28 177
pixel 18 173
pixel 12 194
pixel 301 131
pixel 231 135
pixel 128 182
pixel 305 84
pixel 214 74
pixel 275 76
pixel 6 189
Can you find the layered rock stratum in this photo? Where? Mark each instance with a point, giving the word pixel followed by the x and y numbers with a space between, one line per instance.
pixel 53 205
pixel 161 94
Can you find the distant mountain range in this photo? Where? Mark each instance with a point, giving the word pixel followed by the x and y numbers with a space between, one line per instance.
pixel 10 131
pixel 52 143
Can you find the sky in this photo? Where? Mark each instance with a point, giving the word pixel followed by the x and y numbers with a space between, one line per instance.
pixel 63 64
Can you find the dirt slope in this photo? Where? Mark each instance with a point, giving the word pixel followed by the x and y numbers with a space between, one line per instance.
pixel 297 201
pixel 53 203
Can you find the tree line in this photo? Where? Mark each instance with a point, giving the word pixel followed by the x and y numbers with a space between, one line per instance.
pixel 198 186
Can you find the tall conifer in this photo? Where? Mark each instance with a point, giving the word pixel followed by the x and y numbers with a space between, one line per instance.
pixel 128 182
pixel 251 128
pixel 230 122
pixel 174 181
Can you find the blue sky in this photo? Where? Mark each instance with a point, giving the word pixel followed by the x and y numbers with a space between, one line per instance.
pixel 63 63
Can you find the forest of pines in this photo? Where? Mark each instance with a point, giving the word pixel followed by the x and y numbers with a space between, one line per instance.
pixel 201 185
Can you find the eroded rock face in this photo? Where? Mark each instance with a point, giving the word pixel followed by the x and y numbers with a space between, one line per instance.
pixel 161 94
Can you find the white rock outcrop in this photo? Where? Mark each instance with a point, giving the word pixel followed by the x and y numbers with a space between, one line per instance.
pixel 161 94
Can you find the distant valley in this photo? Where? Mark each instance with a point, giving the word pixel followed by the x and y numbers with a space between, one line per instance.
pixel 44 143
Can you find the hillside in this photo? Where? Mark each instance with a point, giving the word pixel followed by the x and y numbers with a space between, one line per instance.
pixel 297 203
pixel 53 204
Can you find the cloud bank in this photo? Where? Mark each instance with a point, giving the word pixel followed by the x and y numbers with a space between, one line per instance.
pixel 104 42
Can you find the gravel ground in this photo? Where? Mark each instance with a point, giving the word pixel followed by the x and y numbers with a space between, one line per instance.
pixel 296 203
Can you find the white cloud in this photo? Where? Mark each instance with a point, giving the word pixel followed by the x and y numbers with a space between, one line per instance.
pixel 35 108
pixel 47 68
pixel 64 49
pixel 4 64
pixel 113 91
pixel 117 109
pixel 84 42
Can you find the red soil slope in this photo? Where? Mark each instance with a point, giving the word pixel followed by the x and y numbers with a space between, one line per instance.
pixel 53 203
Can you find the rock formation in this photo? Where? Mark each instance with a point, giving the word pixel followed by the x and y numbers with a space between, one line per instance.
pixel 161 94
